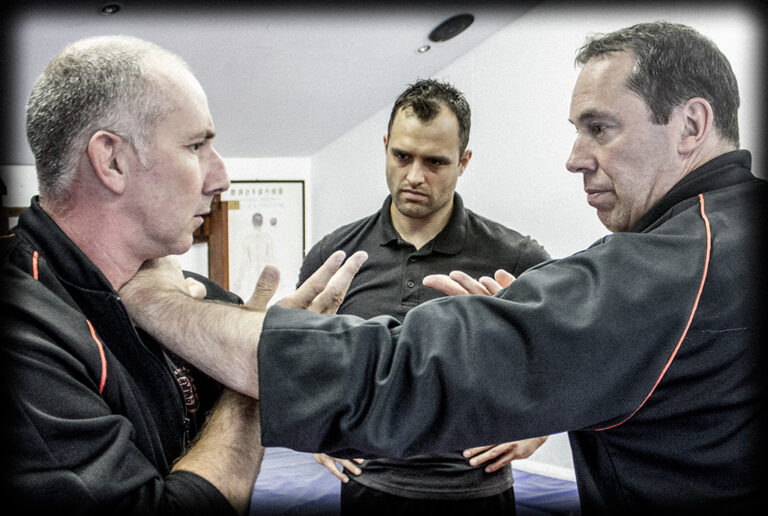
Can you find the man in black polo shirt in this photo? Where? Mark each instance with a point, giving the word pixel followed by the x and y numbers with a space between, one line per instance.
pixel 423 228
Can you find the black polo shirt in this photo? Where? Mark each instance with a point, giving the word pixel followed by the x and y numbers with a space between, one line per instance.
pixel 390 283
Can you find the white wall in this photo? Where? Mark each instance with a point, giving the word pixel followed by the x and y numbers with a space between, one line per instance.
pixel 518 84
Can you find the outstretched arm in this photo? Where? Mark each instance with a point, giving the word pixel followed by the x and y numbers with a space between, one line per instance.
pixel 222 339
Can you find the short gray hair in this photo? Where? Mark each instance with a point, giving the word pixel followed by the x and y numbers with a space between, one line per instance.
pixel 99 83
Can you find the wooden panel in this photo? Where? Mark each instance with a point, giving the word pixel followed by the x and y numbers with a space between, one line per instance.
pixel 215 232
pixel 218 243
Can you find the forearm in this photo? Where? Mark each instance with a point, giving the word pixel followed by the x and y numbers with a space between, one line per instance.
pixel 218 338
pixel 221 339
pixel 228 452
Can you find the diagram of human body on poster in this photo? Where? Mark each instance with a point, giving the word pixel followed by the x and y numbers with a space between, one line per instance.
pixel 266 225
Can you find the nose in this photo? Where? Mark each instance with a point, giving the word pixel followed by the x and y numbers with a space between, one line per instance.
pixel 582 158
pixel 415 175
pixel 217 179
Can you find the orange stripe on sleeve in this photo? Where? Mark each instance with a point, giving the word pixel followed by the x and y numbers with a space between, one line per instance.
pixel 35 257
pixel 103 358
pixel 690 318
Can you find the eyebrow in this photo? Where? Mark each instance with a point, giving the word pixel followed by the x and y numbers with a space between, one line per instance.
pixel 206 134
pixel 437 157
pixel 591 114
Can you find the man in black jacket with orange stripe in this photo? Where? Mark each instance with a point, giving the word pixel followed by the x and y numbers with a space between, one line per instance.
pixel 646 346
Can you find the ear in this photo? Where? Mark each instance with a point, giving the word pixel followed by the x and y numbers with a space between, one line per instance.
pixel 698 122
pixel 464 161
pixel 105 152
pixel 386 139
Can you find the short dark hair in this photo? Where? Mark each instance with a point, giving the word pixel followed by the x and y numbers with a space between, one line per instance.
pixel 426 98
pixel 674 63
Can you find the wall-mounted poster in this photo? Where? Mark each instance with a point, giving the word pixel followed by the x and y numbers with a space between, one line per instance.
pixel 266 225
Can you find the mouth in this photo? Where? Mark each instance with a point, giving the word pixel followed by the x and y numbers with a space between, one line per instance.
pixel 413 195
pixel 598 198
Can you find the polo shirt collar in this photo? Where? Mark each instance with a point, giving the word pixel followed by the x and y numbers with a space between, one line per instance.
pixel 449 241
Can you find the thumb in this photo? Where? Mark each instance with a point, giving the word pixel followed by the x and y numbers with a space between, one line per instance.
pixel 266 286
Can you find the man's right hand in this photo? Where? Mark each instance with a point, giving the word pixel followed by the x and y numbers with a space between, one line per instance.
pixel 330 464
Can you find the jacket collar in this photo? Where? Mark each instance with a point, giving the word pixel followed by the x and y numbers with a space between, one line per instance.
pixel 727 169
pixel 55 247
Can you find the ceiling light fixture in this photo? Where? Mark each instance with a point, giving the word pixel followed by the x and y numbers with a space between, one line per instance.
pixel 451 27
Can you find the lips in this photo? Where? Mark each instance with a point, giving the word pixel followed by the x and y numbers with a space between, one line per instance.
pixel 413 195
pixel 599 198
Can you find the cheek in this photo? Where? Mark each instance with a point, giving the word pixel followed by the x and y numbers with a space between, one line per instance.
pixel 445 183
pixel 393 176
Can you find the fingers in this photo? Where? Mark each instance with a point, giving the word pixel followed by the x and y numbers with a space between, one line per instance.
pixel 505 453
pixel 315 284
pixel 330 464
pixel 351 466
pixel 158 274
pixel 166 268
pixel 196 289
pixel 324 291
pixel 503 461
pixel 471 285
pixel 328 301
pixel 458 283
pixel 444 284
pixel 490 285
pixel 266 286
pixel 471 452
pixel 502 453
pixel 503 278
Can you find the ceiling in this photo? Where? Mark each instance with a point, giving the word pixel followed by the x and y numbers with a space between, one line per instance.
pixel 283 79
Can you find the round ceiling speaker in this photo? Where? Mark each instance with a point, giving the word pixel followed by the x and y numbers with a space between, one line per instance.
pixel 451 27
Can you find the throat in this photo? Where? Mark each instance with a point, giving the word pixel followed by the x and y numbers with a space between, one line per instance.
pixel 418 231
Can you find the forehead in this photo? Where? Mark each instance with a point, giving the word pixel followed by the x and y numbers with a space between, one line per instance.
pixel 188 113
pixel 602 85
pixel 441 130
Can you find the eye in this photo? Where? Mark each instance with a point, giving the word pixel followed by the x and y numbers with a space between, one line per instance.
pixel 597 129
pixel 196 146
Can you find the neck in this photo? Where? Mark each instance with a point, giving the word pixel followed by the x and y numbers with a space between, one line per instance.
pixel 419 231
pixel 101 239
pixel 705 154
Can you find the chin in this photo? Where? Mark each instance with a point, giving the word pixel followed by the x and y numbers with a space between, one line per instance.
pixel 182 245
